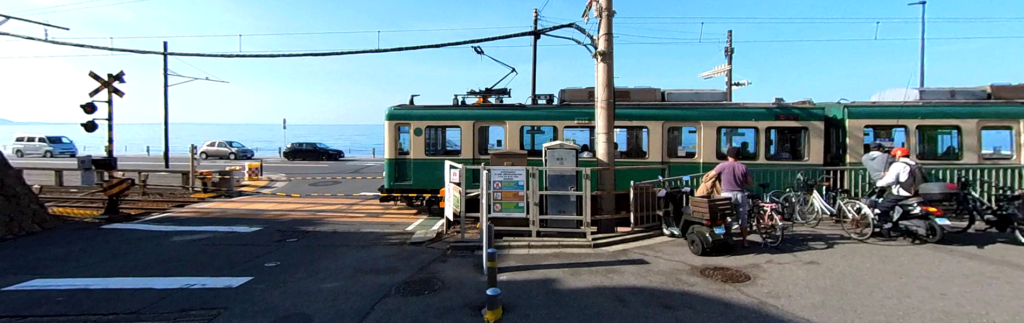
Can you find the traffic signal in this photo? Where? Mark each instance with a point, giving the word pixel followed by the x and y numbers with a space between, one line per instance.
pixel 90 126
pixel 89 108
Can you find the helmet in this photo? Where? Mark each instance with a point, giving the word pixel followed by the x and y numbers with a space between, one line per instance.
pixel 900 152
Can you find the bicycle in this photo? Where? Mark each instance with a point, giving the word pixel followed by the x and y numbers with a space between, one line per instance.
pixel 764 218
pixel 807 205
pixel 856 218
pixel 1003 216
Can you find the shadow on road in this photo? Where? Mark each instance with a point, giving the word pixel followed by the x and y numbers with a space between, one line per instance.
pixel 571 265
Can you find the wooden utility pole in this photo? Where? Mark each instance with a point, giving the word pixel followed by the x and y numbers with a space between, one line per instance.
pixel 604 114
pixel 728 74
pixel 533 82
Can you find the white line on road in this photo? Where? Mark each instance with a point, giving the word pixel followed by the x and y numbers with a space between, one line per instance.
pixel 131 283
pixel 151 227
pixel 414 224
pixel 438 224
pixel 151 217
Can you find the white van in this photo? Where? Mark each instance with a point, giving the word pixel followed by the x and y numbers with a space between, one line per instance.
pixel 45 146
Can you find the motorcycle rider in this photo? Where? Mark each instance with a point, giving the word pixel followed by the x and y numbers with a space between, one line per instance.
pixel 899 179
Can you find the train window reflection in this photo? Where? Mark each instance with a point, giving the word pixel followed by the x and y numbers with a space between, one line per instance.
pixel 403 140
pixel 939 143
pixel 744 138
pixel 582 136
pixel 682 142
pixel 888 136
pixel 997 143
pixel 631 142
pixel 787 143
pixel 443 141
pixel 534 138
pixel 490 138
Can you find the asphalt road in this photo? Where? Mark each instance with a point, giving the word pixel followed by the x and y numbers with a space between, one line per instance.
pixel 303 271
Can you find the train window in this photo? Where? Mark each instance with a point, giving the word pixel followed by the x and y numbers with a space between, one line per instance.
pixel 786 143
pixel 744 138
pixel 631 142
pixel 443 141
pixel 490 138
pixel 939 143
pixel 534 138
pixel 403 140
pixel 997 142
pixel 682 142
pixel 889 136
pixel 582 136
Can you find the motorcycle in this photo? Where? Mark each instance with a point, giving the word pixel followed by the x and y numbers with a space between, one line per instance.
pixel 914 219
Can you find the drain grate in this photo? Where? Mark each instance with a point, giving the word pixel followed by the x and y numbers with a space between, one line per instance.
pixel 417 287
pixel 725 275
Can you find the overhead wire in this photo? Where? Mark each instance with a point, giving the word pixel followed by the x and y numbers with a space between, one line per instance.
pixel 57 6
pixel 89 7
pixel 293 55
pixel 295 33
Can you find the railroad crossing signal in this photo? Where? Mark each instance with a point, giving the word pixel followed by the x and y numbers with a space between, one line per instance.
pixel 108 84
pixel 89 126
pixel 89 107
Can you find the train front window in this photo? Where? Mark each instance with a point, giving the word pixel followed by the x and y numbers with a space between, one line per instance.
pixel 997 142
pixel 889 136
pixel 490 138
pixel 744 138
pixel 631 142
pixel 682 142
pixel 788 143
pixel 403 140
pixel 443 141
pixel 583 137
pixel 534 138
pixel 939 143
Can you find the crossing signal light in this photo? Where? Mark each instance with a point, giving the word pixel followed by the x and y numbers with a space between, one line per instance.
pixel 89 108
pixel 90 126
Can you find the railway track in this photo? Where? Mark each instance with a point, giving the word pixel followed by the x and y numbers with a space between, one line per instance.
pixel 90 206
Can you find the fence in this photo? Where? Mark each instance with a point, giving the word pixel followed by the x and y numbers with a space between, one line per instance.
pixel 558 199
pixel 158 150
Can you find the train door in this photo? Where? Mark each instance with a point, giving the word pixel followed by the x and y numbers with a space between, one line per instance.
pixel 490 136
pixel 403 147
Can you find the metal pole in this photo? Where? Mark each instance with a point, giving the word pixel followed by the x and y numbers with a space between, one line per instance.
pixel 533 82
pixel 728 73
pixel 167 140
pixel 110 120
pixel 923 3
pixel 604 113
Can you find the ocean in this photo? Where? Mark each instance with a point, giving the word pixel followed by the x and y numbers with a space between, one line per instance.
pixel 265 139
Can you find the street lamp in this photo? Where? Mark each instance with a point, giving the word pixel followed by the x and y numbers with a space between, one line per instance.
pixel 922 4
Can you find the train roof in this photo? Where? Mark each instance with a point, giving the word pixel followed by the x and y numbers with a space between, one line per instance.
pixel 638 111
pixel 975 109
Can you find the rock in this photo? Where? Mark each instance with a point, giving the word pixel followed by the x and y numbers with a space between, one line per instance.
pixel 22 211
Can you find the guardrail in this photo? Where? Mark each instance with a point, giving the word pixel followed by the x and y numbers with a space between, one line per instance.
pixel 58 173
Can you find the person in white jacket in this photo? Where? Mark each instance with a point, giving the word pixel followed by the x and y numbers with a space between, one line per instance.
pixel 898 178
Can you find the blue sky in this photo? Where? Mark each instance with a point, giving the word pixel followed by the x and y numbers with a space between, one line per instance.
pixel 659 52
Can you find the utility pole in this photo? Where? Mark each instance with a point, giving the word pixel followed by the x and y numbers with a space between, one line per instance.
pixel 922 4
pixel 533 82
pixel 167 140
pixel 728 62
pixel 168 73
pixel 604 114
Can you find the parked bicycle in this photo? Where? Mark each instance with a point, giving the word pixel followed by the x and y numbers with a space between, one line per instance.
pixel 806 205
pixel 765 218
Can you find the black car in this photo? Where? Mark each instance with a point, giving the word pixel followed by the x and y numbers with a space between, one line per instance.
pixel 311 151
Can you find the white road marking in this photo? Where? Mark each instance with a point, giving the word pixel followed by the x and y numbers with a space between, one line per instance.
pixel 414 224
pixel 438 224
pixel 151 227
pixel 157 216
pixel 131 283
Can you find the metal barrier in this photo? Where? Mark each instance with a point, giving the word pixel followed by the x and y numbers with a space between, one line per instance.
pixel 539 198
pixel 58 173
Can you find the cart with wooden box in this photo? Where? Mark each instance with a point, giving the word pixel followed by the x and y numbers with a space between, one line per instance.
pixel 705 225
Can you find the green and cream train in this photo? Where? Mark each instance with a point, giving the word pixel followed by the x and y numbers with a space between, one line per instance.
pixel 691 137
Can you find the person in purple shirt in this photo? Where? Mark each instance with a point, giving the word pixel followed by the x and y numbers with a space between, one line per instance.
pixel 735 177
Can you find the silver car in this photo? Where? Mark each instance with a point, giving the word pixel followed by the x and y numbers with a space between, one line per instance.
pixel 45 146
pixel 225 149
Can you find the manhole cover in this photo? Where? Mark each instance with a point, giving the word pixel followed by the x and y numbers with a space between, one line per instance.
pixel 417 287
pixel 324 183
pixel 725 275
